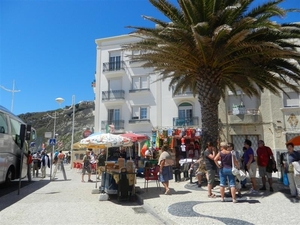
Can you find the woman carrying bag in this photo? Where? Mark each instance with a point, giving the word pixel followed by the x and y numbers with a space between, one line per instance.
pixel 225 171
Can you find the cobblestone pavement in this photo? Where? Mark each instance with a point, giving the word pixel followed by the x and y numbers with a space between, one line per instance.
pixel 189 204
pixel 72 202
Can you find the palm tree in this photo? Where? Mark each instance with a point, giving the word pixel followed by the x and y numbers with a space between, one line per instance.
pixel 212 46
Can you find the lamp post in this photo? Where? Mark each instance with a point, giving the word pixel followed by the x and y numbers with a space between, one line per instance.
pixel 73 120
pixel 59 101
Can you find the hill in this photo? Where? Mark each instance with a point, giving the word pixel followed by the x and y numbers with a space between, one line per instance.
pixel 44 122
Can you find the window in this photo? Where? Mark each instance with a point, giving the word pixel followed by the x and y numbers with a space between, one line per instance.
pixel 140 82
pixel 140 112
pixel 185 114
pixel 3 124
pixel 15 131
pixel 185 110
pixel 114 60
pixel 291 100
pixel 242 104
pixel 113 115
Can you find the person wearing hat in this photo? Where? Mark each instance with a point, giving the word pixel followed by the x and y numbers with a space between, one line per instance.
pixel 225 171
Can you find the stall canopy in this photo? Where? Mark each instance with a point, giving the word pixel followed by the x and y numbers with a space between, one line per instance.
pixel 295 141
pixel 77 146
pixel 135 137
pixel 105 140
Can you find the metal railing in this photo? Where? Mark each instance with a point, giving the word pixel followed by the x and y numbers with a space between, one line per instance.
pixel 118 124
pixel 113 95
pixel 113 66
pixel 243 111
pixel 185 121
pixel 133 120
pixel 185 93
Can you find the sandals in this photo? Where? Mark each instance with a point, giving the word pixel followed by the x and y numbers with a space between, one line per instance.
pixel 212 196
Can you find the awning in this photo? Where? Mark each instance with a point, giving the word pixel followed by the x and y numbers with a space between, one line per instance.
pixel 135 137
pixel 295 141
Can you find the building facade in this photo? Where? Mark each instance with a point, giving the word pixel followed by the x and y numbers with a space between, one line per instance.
pixel 131 99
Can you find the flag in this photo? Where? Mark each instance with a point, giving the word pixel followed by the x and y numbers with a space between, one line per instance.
pixel 145 147
pixel 107 129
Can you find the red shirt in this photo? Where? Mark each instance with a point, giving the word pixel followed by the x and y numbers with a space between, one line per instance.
pixel 263 155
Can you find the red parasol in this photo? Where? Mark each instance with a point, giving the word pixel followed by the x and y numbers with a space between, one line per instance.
pixel 135 137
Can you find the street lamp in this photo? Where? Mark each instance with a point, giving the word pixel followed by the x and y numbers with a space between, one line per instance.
pixel 73 120
pixel 59 101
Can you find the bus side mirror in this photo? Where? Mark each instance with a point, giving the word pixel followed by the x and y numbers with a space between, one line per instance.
pixel 28 133
pixel 22 132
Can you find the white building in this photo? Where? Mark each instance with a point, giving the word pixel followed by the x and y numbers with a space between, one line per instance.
pixel 127 96
pixel 130 97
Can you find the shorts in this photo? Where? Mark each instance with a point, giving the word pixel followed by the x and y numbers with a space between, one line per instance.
pixel 226 174
pixel 166 174
pixel 211 176
pixel 263 172
pixel 201 173
pixel 86 169
pixel 252 170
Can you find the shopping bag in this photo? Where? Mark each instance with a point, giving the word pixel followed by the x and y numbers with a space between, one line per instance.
pixel 285 179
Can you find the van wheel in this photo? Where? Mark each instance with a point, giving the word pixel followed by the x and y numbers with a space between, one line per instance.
pixel 9 176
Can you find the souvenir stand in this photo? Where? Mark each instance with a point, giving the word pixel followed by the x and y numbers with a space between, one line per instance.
pixel 119 175
pixel 185 145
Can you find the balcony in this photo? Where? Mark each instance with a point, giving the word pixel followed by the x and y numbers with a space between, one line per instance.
pixel 113 69
pixel 138 120
pixel 244 115
pixel 113 96
pixel 186 121
pixel 139 90
pixel 119 125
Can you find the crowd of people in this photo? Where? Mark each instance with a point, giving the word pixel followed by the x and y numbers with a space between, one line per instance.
pixel 39 161
pixel 213 161
pixel 223 161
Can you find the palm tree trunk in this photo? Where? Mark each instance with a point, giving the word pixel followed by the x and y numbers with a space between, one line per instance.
pixel 209 98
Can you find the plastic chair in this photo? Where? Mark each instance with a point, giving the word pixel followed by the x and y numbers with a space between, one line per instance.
pixel 79 166
pixel 151 174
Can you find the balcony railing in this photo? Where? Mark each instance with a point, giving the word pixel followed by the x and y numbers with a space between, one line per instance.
pixel 119 124
pixel 185 121
pixel 243 111
pixel 139 90
pixel 113 95
pixel 185 93
pixel 113 66
pixel 136 120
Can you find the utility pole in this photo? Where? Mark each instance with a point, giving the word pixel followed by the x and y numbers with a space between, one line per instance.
pixel 13 94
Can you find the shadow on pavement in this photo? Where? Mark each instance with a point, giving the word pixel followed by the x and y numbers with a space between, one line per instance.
pixel 186 209
pixel 9 195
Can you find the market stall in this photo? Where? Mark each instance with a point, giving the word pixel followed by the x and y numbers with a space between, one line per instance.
pixel 119 174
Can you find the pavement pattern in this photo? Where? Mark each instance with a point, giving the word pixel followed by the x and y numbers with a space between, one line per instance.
pixel 72 202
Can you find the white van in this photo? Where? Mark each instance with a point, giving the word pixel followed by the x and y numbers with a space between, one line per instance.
pixel 10 147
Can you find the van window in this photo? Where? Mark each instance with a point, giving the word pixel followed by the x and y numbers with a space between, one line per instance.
pixel 3 124
pixel 15 131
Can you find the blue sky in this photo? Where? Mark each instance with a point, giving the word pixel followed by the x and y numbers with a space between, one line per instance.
pixel 48 46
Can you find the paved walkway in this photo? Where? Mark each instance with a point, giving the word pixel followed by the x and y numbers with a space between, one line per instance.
pixel 189 204
pixel 72 202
